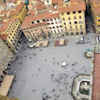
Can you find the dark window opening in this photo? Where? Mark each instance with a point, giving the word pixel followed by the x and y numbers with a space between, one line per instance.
pixel 72 33
pixel 60 26
pixel 38 21
pixel 69 22
pixel 79 11
pixel 75 22
pixel 80 17
pixel 63 18
pixel 32 22
pixel 64 23
pixel 44 20
pixel 77 33
pixel 69 18
pixel 68 13
pixel 75 17
pixel 74 12
pixel 81 33
pixel 47 19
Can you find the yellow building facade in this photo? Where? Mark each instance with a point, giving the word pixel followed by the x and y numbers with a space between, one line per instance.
pixel 13 34
pixel 73 17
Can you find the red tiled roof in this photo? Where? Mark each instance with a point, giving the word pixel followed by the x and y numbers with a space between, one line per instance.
pixel 17 9
pixel 3 27
pixel 28 20
pixel 95 5
pixel 75 5
pixel 40 5
pixel 96 76
pixel 54 1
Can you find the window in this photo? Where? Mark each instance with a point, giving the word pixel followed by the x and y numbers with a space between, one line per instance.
pixel 53 27
pixel 77 33
pixel 75 22
pixel 69 22
pixel 62 14
pixel 80 17
pixel 51 19
pixel 63 18
pixel 68 13
pixel 74 12
pixel 43 20
pixel 64 23
pixel 47 19
pixel 55 18
pixel 75 17
pixel 32 22
pixel 38 21
pixel 81 33
pixel 79 11
pixel 69 18
pixel 48 23
pixel 72 33
pixel 57 27
pixel 60 25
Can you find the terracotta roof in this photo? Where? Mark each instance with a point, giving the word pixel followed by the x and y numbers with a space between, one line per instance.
pixel 54 1
pixel 17 9
pixel 28 20
pixel 3 26
pixel 95 5
pixel 96 76
pixel 9 13
pixel 40 5
pixel 75 5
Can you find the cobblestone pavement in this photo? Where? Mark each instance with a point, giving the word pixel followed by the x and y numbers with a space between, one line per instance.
pixel 39 73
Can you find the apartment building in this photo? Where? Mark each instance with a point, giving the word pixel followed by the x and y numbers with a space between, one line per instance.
pixel 55 25
pixel 35 27
pixel 16 12
pixel 48 23
pixel 12 33
pixel 95 12
pixel 72 14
